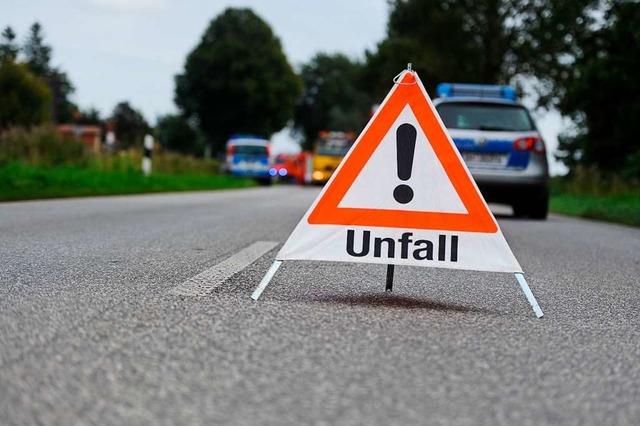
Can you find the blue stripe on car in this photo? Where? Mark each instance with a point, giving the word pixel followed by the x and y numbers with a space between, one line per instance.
pixel 517 159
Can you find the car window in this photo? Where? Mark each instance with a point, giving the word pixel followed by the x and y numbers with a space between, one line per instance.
pixel 250 150
pixel 333 147
pixel 483 116
pixel 333 150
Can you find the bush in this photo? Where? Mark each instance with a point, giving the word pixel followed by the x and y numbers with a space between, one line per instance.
pixel 168 163
pixel 40 146
pixel 176 164
pixel 25 98
pixel 591 181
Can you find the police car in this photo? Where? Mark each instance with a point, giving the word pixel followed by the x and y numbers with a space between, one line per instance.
pixel 499 143
pixel 249 156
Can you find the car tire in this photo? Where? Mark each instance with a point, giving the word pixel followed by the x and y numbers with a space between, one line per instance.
pixel 541 210
pixel 535 207
pixel 265 182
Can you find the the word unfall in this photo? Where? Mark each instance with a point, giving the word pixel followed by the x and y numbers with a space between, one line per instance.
pixel 403 247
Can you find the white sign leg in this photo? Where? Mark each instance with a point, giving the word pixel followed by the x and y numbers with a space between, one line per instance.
pixel 527 291
pixel 265 281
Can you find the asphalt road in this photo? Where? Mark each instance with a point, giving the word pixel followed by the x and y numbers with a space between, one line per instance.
pixel 93 332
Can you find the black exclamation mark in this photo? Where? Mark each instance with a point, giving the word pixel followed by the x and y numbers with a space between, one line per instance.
pixel 405 145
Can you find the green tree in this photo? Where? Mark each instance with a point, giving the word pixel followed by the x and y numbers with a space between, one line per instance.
pixel 602 95
pixel 89 116
pixel 8 47
pixel 176 133
pixel 131 127
pixel 61 90
pixel 37 53
pixel 480 41
pixel 24 98
pixel 38 58
pixel 237 79
pixel 332 97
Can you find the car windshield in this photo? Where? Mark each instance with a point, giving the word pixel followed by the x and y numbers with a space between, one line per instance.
pixel 250 150
pixel 483 116
pixel 333 147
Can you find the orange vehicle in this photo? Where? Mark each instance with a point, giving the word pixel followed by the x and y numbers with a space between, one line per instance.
pixel 328 151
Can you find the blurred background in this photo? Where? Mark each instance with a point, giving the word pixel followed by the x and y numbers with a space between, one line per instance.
pixel 82 82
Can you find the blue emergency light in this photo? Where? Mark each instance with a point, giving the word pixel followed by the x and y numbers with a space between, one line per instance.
pixel 457 90
pixel 237 136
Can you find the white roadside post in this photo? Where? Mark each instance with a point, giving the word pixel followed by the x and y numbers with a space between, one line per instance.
pixel 146 158
pixel 110 141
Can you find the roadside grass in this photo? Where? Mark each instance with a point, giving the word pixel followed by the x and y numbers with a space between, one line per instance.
pixel 619 208
pixel 20 181
pixel 591 194
pixel 40 163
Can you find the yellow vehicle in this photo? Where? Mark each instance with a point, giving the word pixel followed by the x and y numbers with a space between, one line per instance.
pixel 328 151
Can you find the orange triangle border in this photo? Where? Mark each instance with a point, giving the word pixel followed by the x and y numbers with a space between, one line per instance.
pixel 409 91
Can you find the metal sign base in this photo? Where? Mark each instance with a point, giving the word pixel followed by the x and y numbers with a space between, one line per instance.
pixel 390 269
pixel 265 280
pixel 527 292
pixel 389 287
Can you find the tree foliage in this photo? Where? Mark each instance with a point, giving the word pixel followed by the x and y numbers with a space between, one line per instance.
pixel 602 95
pixel 24 98
pixel 177 134
pixel 37 53
pixel 9 47
pixel 332 97
pixel 89 116
pixel 38 58
pixel 480 41
pixel 131 127
pixel 61 90
pixel 237 79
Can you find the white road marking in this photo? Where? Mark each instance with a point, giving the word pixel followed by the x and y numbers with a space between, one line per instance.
pixel 204 283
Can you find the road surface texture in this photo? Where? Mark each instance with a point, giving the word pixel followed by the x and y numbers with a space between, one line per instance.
pixel 94 329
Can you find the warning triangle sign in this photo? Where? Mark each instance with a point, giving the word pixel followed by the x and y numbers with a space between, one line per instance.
pixel 403 196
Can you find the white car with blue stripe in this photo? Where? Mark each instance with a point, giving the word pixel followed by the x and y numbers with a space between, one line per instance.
pixel 500 144
pixel 249 156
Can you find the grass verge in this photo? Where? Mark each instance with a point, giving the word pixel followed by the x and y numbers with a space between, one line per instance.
pixel 20 181
pixel 620 208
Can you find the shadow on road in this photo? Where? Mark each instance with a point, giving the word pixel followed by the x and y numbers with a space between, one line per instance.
pixel 389 300
pixel 504 216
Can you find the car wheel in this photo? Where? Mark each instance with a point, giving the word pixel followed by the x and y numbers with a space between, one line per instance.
pixel 519 209
pixel 540 210
pixel 535 207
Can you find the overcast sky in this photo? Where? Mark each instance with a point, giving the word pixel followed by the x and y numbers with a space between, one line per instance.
pixel 117 50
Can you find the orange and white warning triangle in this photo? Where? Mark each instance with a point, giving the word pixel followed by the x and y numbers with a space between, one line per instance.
pixel 402 196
